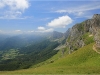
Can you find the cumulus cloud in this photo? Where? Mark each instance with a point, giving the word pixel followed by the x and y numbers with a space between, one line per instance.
pixel 43 29
pixel 15 4
pixel 60 22
pixel 14 8
pixel 48 30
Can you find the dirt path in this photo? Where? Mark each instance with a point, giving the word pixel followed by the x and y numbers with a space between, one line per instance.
pixel 95 49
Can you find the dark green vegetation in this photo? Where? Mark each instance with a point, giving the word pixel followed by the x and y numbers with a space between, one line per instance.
pixel 10 54
pixel 73 52
pixel 27 56
pixel 83 61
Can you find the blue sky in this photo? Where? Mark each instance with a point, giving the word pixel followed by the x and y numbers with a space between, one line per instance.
pixel 30 16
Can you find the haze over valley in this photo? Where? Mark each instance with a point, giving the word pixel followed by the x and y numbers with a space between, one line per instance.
pixel 49 37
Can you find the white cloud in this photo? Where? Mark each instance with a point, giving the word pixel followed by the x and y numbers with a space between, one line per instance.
pixel 48 30
pixel 15 4
pixel 12 9
pixel 1 4
pixel 11 32
pixel 81 9
pixel 17 30
pixel 80 13
pixel 60 22
pixel 43 29
pixel 61 11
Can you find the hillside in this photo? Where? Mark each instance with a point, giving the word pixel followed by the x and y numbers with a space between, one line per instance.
pixel 25 57
pixel 76 53
pixel 84 33
pixel 83 61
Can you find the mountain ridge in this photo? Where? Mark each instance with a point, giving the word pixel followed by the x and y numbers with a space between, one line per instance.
pixel 88 28
pixel 80 37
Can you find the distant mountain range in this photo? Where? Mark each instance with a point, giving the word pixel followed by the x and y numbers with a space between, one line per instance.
pixel 23 51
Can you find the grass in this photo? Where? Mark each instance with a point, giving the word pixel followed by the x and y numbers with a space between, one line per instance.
pixel 88 39
pixel 83 61
pixel 10 54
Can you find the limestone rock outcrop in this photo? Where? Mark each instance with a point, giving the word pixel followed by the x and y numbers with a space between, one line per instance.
pixel 79 33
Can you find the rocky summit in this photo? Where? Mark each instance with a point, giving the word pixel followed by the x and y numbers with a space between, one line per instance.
pixel 89 28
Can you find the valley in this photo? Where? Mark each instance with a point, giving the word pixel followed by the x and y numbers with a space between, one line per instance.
pixel 54 53
pixel 83 61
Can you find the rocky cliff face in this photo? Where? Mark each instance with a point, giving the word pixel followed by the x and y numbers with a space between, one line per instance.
pixel 95 27
pixel 84 33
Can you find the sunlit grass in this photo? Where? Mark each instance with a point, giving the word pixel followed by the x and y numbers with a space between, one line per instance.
pixel 83 61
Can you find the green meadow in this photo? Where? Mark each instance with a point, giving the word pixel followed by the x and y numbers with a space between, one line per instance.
pixel 83 61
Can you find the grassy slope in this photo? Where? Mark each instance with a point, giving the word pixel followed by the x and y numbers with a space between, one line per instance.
pixel 83 61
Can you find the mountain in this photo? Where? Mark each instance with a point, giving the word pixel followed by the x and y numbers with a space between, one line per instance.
pixel 27 56
pixel 66 34
pixel 83 61
pixel 80 54
pixel 9 41
pixel 3 37
pixel 19 41
pixel 57 35
pixel 84 33
pixel 23 51
pixel 75 51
